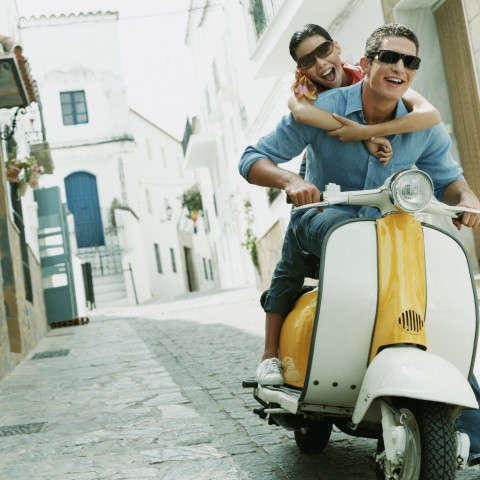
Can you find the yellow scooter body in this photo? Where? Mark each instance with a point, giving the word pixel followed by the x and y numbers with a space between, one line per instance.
pixel 296 337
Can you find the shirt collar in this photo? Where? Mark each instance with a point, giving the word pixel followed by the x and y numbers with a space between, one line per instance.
pixel 354 101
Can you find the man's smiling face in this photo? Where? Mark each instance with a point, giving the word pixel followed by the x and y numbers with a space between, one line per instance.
pixel 391 80
pixel 328 71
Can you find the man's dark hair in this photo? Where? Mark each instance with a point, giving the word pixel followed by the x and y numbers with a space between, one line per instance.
pixel 308 30
pixel 375 40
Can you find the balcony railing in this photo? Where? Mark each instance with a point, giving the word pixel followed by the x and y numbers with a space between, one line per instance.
pixel 262 12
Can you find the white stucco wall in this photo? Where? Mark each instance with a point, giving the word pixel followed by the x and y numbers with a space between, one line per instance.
pixel 226 98
pixel 128 155
pixel 63 52
pixel 8 19
pixel 70 53
pixel 160 181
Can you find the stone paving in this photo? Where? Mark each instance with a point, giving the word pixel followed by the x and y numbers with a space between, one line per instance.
pixel 154 392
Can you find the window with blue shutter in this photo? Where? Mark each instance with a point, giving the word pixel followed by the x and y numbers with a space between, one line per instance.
pixel 74 107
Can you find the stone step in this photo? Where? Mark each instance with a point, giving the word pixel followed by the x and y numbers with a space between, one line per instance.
pixel 109 287
pixel 110 290
pixel 107 279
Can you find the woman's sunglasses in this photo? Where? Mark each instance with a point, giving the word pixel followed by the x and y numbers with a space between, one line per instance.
pixel 322 51
pixel 387 56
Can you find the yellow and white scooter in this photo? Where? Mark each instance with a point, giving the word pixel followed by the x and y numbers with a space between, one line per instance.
pixel 385 347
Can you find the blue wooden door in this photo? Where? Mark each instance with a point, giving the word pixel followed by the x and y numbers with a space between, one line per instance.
pixel 82 201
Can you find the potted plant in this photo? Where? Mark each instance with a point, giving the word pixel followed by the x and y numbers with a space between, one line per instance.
pixel 192 202
pixel 13 166
pixel 33 172
pixel 24 173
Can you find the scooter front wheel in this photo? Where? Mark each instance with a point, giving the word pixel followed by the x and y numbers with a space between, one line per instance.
pixel 430 444
pixel 314 437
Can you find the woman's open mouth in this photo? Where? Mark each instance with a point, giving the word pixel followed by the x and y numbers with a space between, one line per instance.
pixel 330 75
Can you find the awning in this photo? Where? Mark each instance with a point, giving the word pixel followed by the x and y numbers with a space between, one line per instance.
pixel 17 87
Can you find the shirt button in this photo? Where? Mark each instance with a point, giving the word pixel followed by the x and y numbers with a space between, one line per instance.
pixel 370 162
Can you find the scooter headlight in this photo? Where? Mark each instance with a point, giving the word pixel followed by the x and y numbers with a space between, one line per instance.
pixel 411 190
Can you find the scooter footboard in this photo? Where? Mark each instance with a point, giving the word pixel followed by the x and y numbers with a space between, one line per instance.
pixel 413 373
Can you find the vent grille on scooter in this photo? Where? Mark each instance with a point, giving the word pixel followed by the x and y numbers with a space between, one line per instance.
pixel 411 322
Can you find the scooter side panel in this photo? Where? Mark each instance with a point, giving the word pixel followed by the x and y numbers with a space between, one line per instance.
pixel 348 291
pixel 451 316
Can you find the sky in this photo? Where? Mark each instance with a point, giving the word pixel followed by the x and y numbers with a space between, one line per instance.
pixel 155 60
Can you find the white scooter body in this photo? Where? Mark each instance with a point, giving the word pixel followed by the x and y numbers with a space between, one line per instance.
pixel 340 382
pixel 345 318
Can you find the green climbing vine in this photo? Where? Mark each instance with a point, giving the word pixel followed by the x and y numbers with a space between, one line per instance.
pixel 250 242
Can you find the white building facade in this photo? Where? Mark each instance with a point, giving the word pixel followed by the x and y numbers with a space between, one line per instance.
pixel 120 175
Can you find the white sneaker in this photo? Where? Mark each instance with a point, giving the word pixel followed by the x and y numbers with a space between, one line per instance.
pixel 269 372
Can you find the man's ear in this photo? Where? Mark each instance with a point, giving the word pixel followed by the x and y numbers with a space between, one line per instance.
pixel 365 65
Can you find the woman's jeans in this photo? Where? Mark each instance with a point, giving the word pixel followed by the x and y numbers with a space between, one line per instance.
pixel 304 237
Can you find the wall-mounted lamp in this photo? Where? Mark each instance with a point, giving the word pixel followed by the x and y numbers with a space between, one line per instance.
pixel 169 213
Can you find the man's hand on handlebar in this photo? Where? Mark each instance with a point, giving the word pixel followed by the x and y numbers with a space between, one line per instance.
pixel 302 192
pixel 468 219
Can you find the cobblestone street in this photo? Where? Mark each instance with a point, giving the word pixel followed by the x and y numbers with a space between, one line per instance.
pixel 154 392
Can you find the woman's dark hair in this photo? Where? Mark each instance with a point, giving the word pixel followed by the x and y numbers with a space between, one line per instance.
pixel 375 40
pixel 306 31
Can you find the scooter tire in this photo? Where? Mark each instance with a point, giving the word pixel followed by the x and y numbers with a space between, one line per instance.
pixel 314 437
pixel 431 429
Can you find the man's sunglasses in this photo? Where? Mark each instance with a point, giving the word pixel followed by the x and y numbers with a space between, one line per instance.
pixel 322 51
pixel 387 56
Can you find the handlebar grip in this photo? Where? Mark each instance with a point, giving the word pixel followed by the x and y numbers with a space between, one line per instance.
pixel 289 200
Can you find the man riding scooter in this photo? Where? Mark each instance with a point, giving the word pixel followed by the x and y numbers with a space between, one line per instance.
pixel 390 64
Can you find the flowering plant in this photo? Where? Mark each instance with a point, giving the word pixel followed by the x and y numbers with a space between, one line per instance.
pixel 23 172
pixel 31 172
pixel 13 166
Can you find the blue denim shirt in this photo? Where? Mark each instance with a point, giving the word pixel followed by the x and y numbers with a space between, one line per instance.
pixel 349 164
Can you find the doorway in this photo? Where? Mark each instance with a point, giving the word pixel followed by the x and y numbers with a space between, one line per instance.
pixel 82 201
pixel 191 277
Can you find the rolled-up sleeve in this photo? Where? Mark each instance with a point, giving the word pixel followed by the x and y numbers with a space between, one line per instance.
pixel 249 157
pixel 437 161
pixel 287 141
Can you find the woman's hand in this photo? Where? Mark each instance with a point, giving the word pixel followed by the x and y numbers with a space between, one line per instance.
pixel 350 131
pixel 380 148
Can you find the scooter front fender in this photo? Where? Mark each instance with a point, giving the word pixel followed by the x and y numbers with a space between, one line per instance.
pixel 413 373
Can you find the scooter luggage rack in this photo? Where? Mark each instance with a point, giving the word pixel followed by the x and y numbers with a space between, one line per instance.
pixel 284 396
pixel 287 399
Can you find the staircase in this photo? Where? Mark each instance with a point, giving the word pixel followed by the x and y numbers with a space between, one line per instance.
pixel 110 291
pixel 106 266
